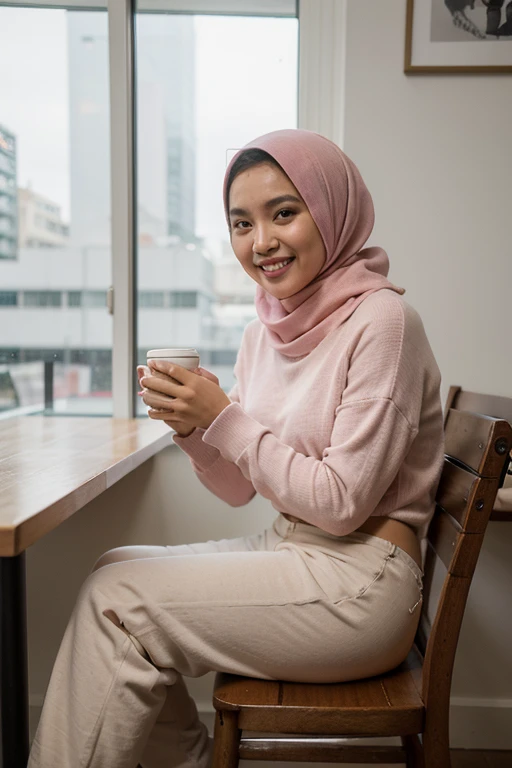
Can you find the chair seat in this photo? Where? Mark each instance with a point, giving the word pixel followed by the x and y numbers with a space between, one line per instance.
pixel 387 705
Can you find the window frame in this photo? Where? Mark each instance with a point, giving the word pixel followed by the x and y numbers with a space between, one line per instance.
pixel 322 46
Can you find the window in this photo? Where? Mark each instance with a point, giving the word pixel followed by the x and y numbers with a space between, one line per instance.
pixel 8 299
pixel 42 299
pixel 188 122
pixel 54 62
pixel 148 299
pixel 183 299
pixel 94 299
pixel 55 203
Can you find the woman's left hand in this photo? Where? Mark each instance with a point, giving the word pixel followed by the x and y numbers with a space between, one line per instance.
pixel 191 399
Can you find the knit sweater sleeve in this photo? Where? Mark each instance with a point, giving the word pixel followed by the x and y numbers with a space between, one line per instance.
pixel 221 476
pixel 374 427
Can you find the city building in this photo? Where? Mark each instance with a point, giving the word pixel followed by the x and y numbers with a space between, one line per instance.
pixel 39 221
pixel 8 204
pixel 53 307
pixel 165 127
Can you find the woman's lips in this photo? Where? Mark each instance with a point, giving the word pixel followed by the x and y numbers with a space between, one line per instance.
pixel 278 272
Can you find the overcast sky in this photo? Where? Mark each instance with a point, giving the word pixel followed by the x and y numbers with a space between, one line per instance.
pixel 245 86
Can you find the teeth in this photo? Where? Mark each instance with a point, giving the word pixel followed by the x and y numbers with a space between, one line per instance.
pixel 274 267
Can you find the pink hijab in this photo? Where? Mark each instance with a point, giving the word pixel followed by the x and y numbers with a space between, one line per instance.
pixel 341 207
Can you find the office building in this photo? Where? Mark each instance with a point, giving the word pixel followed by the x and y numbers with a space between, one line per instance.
pixel 8 202
pixel 40 222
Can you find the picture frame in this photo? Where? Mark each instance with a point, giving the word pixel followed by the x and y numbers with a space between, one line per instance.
pixel 458 36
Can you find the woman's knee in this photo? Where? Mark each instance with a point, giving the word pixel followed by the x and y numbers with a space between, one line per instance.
pixel 123 554
pixel 117 555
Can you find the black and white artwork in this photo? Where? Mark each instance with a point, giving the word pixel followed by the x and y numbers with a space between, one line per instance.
pixel 460 35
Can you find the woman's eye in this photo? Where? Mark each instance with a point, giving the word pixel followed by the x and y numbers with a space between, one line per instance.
pixel 285 213
pixel 241 225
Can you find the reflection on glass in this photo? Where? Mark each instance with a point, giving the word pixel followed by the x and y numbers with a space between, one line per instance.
pixel 206 85
pixel 54 211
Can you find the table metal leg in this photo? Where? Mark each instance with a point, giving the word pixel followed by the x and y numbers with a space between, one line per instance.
pixel 13 663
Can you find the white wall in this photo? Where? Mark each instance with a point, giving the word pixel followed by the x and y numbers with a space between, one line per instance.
pixel 435 153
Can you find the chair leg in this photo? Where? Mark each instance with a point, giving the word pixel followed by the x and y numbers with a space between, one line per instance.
pixel 436 749
pixel 226 740
pixel 413 751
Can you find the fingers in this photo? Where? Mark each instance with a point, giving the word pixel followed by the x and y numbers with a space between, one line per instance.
pixel 182 375
pixel 160 415
pixel 158 401
pixel 160 382
pixel 207 375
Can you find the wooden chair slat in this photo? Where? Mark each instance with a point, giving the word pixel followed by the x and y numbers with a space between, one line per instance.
pixel 403 685
pixel 235 691
pixel 368 722
pixel 468 436
pixel 317 751
pixel 491 405
pixel 460 491
pixel 351 696
pixel 443 536
pixel 458 551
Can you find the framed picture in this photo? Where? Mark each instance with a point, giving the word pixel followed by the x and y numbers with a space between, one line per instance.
pixel 471 36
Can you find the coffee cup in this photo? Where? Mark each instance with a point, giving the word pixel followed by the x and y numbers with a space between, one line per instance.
pixel 187 357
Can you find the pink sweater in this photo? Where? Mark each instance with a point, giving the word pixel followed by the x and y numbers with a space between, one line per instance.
pixel 351 430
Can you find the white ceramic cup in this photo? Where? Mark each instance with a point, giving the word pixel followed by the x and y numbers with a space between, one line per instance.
pixel 188 357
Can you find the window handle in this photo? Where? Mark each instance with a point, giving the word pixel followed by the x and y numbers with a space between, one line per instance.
pixel 110 300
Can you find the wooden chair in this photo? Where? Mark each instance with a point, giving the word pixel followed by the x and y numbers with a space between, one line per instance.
pixel 499 408
pixel 309 722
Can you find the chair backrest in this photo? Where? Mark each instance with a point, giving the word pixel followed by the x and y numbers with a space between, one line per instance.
pixel 490 405
pixel 476 456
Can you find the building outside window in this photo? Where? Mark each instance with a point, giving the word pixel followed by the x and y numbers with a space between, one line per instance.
pixel 8 208
pixel 42 298
pixel 8 298
pixel 54 77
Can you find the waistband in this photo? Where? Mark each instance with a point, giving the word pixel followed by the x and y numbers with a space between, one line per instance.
pixel 309 534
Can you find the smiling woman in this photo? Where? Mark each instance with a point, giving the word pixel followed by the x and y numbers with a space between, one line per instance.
pixel 335 419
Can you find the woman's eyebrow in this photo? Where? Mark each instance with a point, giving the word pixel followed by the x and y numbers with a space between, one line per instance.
pixel 268 204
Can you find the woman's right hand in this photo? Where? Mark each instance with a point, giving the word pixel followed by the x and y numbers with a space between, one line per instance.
pixel 143 370
pixel 207 375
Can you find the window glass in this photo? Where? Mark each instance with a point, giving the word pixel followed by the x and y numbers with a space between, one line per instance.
pixel 206 85
pixel 42 299
pixel 149 299
pixel 54 209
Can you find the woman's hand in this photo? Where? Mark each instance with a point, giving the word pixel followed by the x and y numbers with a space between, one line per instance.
pixel 182 431
pixel 182 399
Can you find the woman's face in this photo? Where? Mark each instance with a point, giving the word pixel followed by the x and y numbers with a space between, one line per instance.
pixel 273 233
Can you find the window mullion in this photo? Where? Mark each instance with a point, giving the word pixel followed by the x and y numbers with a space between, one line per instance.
pixel 121 20
pixel 322 48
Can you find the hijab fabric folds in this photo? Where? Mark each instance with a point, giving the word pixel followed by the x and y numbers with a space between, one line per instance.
pixel 341 207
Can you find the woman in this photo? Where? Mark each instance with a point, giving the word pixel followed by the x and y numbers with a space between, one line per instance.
pixel 335 418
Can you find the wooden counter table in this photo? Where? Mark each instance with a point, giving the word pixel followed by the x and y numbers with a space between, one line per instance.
pixel 50 467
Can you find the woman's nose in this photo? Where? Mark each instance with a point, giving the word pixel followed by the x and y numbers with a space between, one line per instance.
pixel 264 240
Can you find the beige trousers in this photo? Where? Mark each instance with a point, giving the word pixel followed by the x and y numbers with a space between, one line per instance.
pixel 293 603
